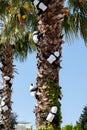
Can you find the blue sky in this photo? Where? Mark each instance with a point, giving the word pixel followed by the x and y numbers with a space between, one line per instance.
pixel 73 80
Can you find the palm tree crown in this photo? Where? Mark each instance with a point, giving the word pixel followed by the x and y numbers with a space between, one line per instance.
pixel 75 23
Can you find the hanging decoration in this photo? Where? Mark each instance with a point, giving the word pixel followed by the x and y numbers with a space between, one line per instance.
pixel 2 103
pixel 4 97
pixel 33 90
pixel 65 11
pixel 9 80
pixel 20 19
pixel 36 36
pixel 27 6
pixel 52 114
pixel 5 108
pixel 41 7
pixel 24 17
pixel 6 78
pixel 1 65
pixel 53 57
pixel 12 9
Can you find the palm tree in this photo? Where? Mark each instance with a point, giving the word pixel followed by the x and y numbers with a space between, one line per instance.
pixel 74 23
pixel 15 38
pixel 49 52
pixel 48 94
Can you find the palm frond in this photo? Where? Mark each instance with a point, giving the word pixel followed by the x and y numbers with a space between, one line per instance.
pixel 75 22
pixel 83 28
pixel 19 23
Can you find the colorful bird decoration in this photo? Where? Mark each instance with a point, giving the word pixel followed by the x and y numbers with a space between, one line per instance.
pixel 20 19
pixel 27 6
pixel 12 9
pixel 66 11
pixel 24 16
pixel 20 10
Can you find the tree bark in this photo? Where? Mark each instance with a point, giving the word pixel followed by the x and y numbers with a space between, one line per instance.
pixel 7 77
pixel 49 91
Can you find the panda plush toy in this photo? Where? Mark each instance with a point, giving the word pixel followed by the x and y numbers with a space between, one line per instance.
pixel 41 6
pixel 36 36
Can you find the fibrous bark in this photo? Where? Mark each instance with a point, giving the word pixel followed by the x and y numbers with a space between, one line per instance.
pixel 7 77
pixel 49 91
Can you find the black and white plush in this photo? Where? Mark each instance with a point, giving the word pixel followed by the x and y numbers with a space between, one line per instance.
pixel 36 36
pixel 33 90
pixel 2 103
pixel 53 57
pixel 9 80
pixel 52 114
pixel 5 108
pixel 1 65
pixel 6 78
pixel 41 6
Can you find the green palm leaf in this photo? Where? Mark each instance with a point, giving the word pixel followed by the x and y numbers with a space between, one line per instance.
pixel 75 23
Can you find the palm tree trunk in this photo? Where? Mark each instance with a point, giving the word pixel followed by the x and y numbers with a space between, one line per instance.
pixel 7 77
pixel 49 92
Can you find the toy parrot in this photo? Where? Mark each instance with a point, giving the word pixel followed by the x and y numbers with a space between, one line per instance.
pixel 20 19
pixel 27 6
pixel 24 16
pixel 66 11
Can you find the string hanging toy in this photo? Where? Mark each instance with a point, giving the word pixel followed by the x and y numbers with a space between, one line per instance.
pixel 41 6
pixel 36 36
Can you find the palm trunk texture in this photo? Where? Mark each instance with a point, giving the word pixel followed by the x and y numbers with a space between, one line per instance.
pixel 7 76
pixel 49 91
